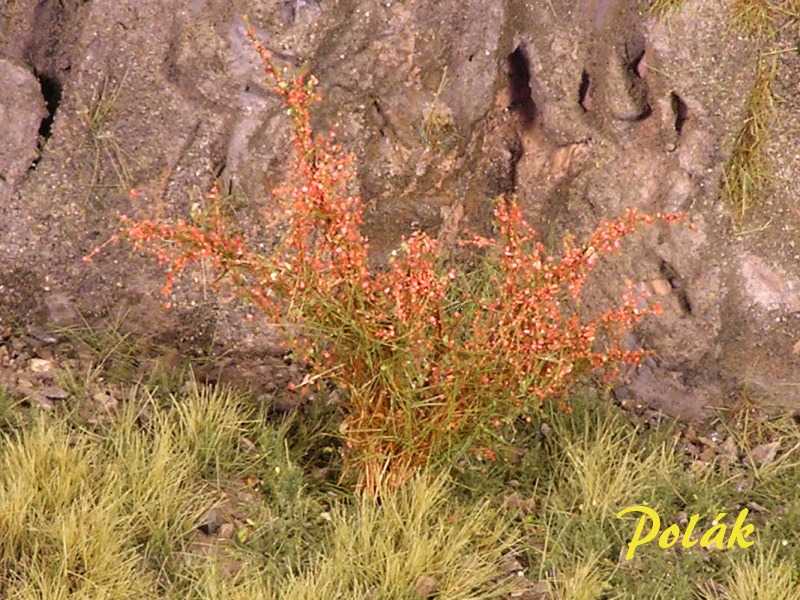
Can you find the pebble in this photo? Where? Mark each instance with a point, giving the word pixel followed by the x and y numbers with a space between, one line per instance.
pixel 42 335
pixel 765 453
pixel 40 365
pixel 511 566
pixel 43 402
pixel 212 522
pixel 55 393
pixel 661 287
pixel 426 587
pixel 105 400
pixel 226 531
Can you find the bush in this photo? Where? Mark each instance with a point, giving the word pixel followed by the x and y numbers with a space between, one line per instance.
pixel 431 358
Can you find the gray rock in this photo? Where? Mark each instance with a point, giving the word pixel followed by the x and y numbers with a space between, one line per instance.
pixel 22 109
pixel 211 522
pixel 55 393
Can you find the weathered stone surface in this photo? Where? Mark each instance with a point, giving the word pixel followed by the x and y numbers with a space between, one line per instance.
pixel 582 109
pixel 22 110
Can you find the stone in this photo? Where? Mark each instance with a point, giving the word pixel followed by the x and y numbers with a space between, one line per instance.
pixel 40 365
pixel 661 287
pixel 211 522
pixel 226 531
pixel 530 590
pixel 765 453
pixel 769 288
pixel 511 566
pixel 22 109
pixel 55 393
pixel 42 335
pixel 515 501
pixel 105 400
pixel 44 402
pixel 729 451
pixel 426 586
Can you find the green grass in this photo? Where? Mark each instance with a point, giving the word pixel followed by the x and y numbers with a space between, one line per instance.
pixel 604 467
pixel 111 508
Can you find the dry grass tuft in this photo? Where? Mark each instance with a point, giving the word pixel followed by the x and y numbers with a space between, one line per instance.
pixel 756 18
pixel 107 151
pixel 605 468
pixel 105 513
pixel 762 19
pixel 585 580
pixel 64 528
pixel 747 171
pixel 417 532
pixel 663 8
pixel 762 576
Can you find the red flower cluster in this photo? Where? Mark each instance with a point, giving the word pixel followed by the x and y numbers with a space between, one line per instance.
pixel 427 355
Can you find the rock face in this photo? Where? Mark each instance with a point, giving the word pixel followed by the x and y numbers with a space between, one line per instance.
pixel 22 111
pixel 581 109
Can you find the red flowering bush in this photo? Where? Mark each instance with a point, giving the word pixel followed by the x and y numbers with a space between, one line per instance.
pixel 430 358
